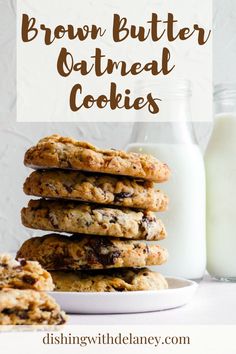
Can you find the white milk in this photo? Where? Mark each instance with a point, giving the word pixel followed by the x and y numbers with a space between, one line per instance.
pixel 221 198
pixel 185 219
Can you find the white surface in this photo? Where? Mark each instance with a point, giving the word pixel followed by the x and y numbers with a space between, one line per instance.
pixel 179 293
pixel 221 197
pixel 214 303
pixel 185 225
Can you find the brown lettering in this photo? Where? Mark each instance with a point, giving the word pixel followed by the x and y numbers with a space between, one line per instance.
pixel 201 35
pixel 118 28
pixel 28 31
pixel 114 100
pixel 75 89
pixel 65 63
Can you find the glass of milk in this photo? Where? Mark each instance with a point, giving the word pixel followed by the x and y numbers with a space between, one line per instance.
pixel 174 143
pixel 220 161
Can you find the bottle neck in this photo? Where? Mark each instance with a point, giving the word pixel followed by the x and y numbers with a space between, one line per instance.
pixel 225 99
pixel 225 107
pixel 163 133
pixel 176 128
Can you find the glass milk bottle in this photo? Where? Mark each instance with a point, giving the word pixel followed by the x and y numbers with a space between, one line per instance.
pixel 174 143
pixel 221 187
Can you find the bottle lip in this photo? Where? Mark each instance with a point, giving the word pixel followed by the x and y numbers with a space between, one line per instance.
pixel 178 87
pixel 225 91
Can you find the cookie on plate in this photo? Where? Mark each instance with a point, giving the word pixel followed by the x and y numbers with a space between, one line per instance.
pixel 29 307
pixel 74 217
pixel 96 188
pixel 59 252
pixel 66 153
pixel 109 280
pixel 23 274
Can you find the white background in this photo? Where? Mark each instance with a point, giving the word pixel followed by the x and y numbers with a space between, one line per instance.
pixel 15 138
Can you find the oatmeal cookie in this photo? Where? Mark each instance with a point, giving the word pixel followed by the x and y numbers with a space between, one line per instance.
pixel 23 274
pixel 29 307
pixel 130 279
pixel 66 153
pixel 74 217
pixel 96 188
pixel 59 252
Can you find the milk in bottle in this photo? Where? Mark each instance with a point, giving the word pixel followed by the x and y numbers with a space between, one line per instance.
pixel 174 143
pixel 185 218
pixel 221 187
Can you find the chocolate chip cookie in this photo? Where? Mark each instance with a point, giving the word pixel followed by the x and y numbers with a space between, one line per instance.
pixel 92 219
pixel 59 252
pixel 109 280
pixel 23 274
pixel 29 307
pixel 96 188
pixel 66 153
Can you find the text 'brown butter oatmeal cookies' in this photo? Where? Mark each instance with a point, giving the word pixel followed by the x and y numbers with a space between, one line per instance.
pixel 59 252
pixel 96 188
pixel 23 274
pixel 66 153
pixel 29 307
pixel 74 217
pixel 109 280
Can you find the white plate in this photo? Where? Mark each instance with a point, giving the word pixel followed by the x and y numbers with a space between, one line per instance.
pixel 180 292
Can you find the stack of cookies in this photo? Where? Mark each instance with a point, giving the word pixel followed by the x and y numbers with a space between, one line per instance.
pixel 107 200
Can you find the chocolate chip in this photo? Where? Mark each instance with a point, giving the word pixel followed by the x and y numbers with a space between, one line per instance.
pixel 23 314
pixel 22 261
pixel 60 261
pixel 3 265
pixel 122 195
pixel 100 242
pixel 102 250
pixel 8 311
pixel 148 219
pixel 110 258
pixel 145 219
pixel 36 207
pixel 120 289
pixel 145 222
pixel 113 220
pixel 88 223
pixel 108 288
pixel 140 182
pixel 68 187
pixel 29 280
pixel 61 320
